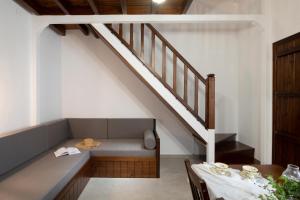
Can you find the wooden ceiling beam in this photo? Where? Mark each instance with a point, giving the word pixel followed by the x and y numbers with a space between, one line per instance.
pixel 124 6
pixel 84 29
pixel 187 6
pixel 62 7
pixel 93 6
pixel 58 28
pixel 30 6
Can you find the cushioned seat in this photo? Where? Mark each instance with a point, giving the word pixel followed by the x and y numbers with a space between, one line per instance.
pixel 122 147
pixel 44 177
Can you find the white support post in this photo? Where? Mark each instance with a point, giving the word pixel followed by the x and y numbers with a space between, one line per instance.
pixel 210 147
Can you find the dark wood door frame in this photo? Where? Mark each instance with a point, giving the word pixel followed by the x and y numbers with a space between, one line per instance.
pixel 286 101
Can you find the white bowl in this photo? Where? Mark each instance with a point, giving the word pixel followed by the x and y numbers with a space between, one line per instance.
pixel 221 165
pixel 250 169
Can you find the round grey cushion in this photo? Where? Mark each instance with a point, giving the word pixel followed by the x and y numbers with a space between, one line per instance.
pixel 149 139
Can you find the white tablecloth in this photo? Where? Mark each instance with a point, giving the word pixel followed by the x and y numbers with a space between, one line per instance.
pixel 230 188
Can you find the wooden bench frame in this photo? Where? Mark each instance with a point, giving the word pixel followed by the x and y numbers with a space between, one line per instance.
pixel 124 167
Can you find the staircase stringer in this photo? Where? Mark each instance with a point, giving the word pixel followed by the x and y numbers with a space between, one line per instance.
pixel 206 136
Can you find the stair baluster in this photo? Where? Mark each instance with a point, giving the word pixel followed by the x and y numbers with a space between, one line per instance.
pixel 164 63
pixel 210 102
pixel 175 74
pixel 142 41
pixel 131 36
pixel 196 95
pixel 152 62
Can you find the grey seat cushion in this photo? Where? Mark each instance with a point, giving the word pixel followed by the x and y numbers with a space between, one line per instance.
pixel 44 178
pixel 122 147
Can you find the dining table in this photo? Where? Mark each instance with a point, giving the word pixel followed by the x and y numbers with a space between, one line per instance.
pixel 235 187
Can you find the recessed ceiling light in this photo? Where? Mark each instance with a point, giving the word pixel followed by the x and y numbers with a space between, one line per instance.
pixel 158 1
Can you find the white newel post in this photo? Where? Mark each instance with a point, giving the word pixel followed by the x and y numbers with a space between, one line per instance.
pixel 210 147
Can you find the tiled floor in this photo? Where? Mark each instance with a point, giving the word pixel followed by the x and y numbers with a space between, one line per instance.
pixel 173 185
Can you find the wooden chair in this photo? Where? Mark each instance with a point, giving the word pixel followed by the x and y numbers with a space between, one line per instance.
pixel 198 185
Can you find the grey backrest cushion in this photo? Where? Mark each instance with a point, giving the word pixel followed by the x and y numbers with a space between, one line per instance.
pixel 89 127
pixel 21 146
pixel 149 139
pixel 57 131
pixel 128 128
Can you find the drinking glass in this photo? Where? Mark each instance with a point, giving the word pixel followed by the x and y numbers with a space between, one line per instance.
pixel 292 172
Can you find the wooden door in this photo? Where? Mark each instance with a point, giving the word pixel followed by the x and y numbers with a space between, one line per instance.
pixel 286 101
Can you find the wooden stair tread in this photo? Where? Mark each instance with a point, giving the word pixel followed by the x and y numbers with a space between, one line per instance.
pixel 231 147
pixel 233 152
pixel 222 137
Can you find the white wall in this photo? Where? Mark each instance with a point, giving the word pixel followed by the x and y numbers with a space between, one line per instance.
pixel 15 60
pixel 285 18
pixel 27 91
pixel 225 7
pixel 95 83
pixel 49 76
pixel 250 88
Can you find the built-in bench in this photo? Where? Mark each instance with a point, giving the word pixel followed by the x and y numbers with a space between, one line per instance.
pixel 29 169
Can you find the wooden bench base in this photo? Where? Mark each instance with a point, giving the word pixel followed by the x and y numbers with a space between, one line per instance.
pixel 124 167
pixel 110 167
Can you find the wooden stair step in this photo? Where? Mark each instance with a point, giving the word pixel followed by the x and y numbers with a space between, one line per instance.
pixel 224 137
pixel 233 152
pixel 232 146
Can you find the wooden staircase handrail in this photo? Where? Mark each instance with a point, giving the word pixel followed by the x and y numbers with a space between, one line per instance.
pixel 178 55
